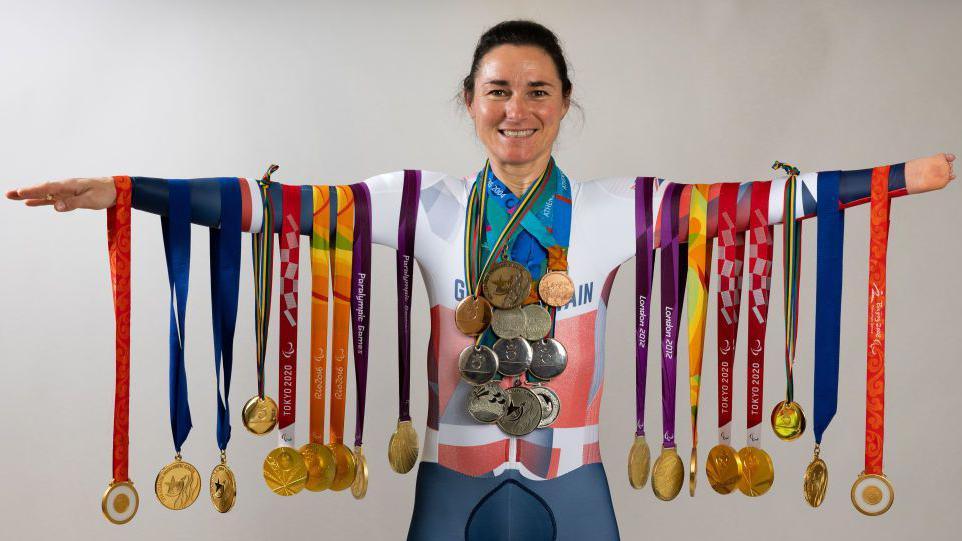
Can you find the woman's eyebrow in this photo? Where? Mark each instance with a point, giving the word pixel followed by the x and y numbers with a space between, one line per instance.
pixel 502 82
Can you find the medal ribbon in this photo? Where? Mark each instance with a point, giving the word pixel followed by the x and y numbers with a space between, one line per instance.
pixel 118 249
pixel 699 260
pixel 760 249
pixel 289 252
pixel 225 245
pixel 262 254
pixel 404 263
pixel 731 247
pixel 875 371
pixel 320 289
pixel 644 274
pixel 672 274
pixel 361 299
pixel 792 268
pixel 828 301
pixel 344 238
pixel 176 231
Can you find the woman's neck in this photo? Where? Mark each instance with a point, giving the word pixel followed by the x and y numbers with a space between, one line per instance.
pixel 517 177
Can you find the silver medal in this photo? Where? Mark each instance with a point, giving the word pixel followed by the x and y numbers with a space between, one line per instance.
pixel 549 359
pixel 523 412
pixel 477 364
pixel 537 322
pixel 508 323
pixel 487 402
pixel 550 405
pixel 514 355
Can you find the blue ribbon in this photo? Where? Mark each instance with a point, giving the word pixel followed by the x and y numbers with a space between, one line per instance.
pixel 828 300
pixel 225 246
pixel 176 230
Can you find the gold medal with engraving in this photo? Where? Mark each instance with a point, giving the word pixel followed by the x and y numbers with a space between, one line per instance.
pixel 223 486
pixel 723 467
pixel 507 285
pixel 872 494
pixel 788 420
pixel 692 471
pixel 758 472
pixel 816 480
pixel 556 288
pixel 260 415
pixel 284 471
pixel 319 462
pixel 402 451
pixel 359 486
pixel 668 474
pixel 345 466
pixel 177 485
pixel 473 315
pixel 120 502
pixel 639 463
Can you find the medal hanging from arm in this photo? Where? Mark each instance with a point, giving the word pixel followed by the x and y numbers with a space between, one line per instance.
pixel 178 483
pixel 284 470
pixel 788 420
pixel 699 264
pixel 872 493
pixel 120 501
pixel 361 332
pixel 639 457
pixel 260 412
pixel 317 456
pixel 224 282
pixel 404 447
pixel 723 466
pixel 828 311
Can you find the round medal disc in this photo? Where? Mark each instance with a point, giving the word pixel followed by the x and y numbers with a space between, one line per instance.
pixel 639 463
pixel 477 364
pixel 514 355
pixel 758 472
pixel 120 502
pixel 472 315
pixel 507 284
pixel 402 450
pixel 319 462
pixel 488 402
pixel 816 482
pixel 223 488
pixel 346 466
pixel 723 467
pixel 788 420
pixel 260 415
pixel 872 494
pixel 549 359
pixel 177 485
pixel 668 475
pixel 556 288
pixel 359 486
pixel 692 471
pixel 537 322
pixel 508 323
pixel 284 471
pixel 523 412
pixel 550 405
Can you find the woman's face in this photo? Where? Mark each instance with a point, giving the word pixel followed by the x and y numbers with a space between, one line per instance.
pixel 517 104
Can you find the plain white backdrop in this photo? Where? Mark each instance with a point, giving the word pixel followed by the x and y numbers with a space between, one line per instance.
pixel 333 93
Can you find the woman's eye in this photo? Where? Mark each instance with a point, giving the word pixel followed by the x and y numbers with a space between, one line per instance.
pixel 539 93
pixel 498 92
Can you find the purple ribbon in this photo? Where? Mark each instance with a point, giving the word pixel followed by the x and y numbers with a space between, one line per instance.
pixel 407 226
pixel 673 273
pixel 644 273
pixel 361 299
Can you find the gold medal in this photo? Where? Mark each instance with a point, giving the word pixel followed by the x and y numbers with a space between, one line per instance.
pixel 346 467
pixel 758 472
pixel 788 420
pixel 556 288
pixel 120 502
pixel 319 462
pixel 668 475
pixel 872 494
pixel 723 467
pixel 692 471
pixel 402 451
pixel 359 486
pixel 816 480
pixel 260 415
pixel 223 486
pixel 284 471
pixel 473 315
pixel 639 463
pixel 177 485
pixel 507 285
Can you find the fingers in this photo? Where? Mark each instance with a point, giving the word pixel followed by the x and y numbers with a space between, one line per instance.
pixel 949 156
pixel 58 189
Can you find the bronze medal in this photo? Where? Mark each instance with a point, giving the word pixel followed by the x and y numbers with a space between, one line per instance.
pixel 537 322
pixel 473 315
pixel 723 467
pixel 523 412
pixel 508 323
pixel 120 502
pixel 177 485
pixel 514 355
pixel 639 463
pixel 346 467
pixel 284 471
pixel 507 285
pixel 359 486
pixel 477 364
pixel 788 420
pixel 488 402
pixel 550 405
pixel 556 288
pixel 403 449
pixel 816 480
pixel 223 487
pixel 260 415
pixel 692 471
pixel 319 462
pixel 668 475
pixel 758 472
pixel 872 494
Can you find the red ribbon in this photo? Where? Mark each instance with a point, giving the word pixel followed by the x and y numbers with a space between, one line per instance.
pixel 875 373
pixel 118 247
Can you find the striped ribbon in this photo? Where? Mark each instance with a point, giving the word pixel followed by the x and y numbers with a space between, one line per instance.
pixel 262 252
pixel 791 246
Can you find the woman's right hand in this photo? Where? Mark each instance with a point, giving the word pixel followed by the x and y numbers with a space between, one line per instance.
pixel 65 195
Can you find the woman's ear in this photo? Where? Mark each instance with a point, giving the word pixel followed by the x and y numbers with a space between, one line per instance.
pixel 467 97
pixel 566 104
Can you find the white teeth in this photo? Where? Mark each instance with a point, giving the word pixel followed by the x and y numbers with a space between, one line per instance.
pixel 517 133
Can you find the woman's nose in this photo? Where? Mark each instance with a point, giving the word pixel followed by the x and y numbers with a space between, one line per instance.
pixel 516 107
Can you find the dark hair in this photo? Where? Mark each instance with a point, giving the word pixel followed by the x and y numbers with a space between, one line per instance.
pixel 519 32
